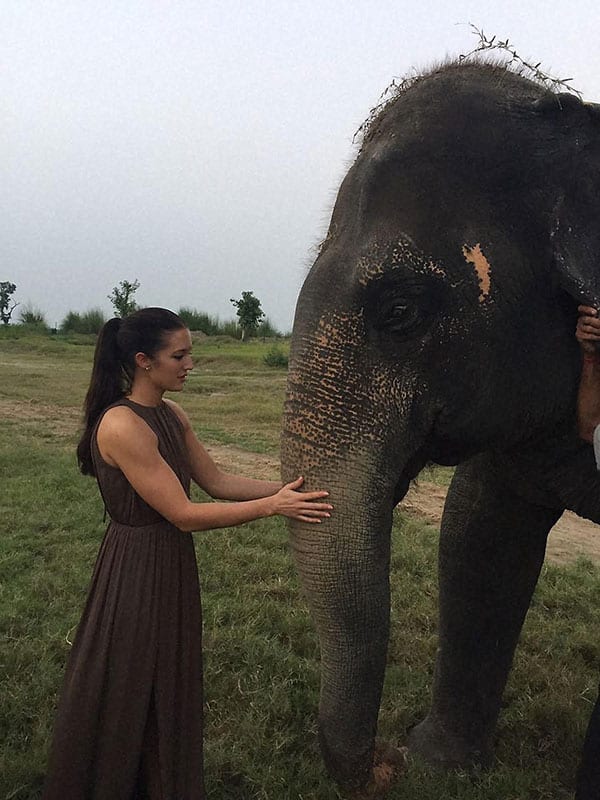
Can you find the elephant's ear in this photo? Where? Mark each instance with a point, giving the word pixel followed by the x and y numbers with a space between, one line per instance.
pixel 575 239
pixel 575 230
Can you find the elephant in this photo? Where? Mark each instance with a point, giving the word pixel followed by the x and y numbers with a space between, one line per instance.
pixel 437 325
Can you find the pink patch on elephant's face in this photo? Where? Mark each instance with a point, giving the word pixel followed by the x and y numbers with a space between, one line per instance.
pixel 474 255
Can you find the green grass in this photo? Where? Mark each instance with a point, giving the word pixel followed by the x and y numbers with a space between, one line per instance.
pixel 261 652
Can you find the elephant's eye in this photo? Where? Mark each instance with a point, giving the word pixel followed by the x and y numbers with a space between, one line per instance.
pixel 398 316
pixel 400 307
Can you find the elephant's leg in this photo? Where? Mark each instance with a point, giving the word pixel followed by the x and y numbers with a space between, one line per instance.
pixel 491 550
pixel 345 578
pixel 566 469
pixel 588 775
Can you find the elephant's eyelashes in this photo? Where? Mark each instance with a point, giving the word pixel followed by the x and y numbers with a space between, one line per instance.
pixel 401 317
pixel 400 312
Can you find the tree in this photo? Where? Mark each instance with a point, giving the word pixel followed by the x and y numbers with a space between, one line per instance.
pixel 7 306
pixel 122 298
pixel 249 313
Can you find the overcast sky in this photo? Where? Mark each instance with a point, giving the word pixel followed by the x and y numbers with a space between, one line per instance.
pixel 198 146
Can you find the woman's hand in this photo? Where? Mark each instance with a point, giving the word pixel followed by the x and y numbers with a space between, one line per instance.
pixel 588 329
pixel 289 502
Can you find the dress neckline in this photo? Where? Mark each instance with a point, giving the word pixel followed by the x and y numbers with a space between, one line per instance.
pixel 162 404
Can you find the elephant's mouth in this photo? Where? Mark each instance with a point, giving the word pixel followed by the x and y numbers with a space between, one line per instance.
pixel 449 454
pixel 411 469
pixel 444 452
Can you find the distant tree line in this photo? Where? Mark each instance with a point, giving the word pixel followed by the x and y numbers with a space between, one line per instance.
pixel 251 318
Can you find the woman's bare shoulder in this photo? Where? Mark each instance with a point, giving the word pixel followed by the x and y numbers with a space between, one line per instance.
pixel 123 437
pixel 121 421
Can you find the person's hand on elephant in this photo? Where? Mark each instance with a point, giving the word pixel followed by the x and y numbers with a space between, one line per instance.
pixel 588 329
pixel 290 502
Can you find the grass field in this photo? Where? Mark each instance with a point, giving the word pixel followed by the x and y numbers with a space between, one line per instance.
pixel 261 653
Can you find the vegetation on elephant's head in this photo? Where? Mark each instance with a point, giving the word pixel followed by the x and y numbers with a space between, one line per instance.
pixel 122 298
pixel 514 62
pixel 519 65
pixel 7 305
pixel 249 313
pixel 89 322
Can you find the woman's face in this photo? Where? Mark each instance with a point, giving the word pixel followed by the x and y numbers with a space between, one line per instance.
pixel 170 365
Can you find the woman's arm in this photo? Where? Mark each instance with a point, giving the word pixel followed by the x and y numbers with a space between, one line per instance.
pixel 126 442
pixel 217 483
pixel 588 398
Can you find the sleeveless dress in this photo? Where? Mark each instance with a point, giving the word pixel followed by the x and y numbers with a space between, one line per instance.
pixel 129 720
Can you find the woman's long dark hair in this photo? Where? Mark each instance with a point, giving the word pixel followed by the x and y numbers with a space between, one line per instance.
pixel 114 366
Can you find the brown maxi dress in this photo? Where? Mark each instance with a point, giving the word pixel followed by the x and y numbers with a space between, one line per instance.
pixel 129 720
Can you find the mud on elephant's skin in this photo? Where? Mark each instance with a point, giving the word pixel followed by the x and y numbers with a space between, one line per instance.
pixel 437 323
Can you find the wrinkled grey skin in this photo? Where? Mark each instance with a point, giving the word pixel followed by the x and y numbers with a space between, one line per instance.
pixel 437 323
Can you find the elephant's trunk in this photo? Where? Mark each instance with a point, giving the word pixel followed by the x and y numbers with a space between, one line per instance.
pixel 344 562
pixel 348 430
pixel 344 567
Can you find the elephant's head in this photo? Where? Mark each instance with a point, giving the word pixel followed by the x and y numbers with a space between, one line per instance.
pixel 434 324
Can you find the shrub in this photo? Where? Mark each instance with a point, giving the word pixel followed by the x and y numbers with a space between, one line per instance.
pixel 211 326
pixel 89 322
pixel 230 328
pixel 34 318
pixel 199 321
pixel 267 330
pixel 275 357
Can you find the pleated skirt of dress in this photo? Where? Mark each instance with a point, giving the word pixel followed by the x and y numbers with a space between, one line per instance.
pixel 133 684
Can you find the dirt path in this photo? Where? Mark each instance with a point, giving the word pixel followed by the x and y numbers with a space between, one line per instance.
pixel 570 537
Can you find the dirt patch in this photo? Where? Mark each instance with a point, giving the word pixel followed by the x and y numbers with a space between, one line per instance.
pixel 64 421
pixel 252 465
pixel 569 538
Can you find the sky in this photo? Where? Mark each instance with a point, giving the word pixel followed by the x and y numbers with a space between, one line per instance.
pixel 197 145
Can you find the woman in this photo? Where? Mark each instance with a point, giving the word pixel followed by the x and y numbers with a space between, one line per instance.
pixel 129 721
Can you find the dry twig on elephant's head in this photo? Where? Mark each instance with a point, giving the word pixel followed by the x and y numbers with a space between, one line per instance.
pixel 513 62
pixel 518 64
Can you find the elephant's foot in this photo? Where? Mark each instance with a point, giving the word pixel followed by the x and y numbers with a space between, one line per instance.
pixel 389 763
pixel 438 745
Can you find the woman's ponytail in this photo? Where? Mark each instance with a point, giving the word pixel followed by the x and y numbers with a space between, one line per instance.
pixel 107 385
pixel 113 372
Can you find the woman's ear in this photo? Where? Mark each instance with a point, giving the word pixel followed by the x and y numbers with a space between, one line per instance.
pixel 143 361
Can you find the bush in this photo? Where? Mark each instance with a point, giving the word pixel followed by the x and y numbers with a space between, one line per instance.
pixel 34 318
pixel 211 326
pixel 267 330
pixel 89 322
pixel 275 357
pixel 230 328
pixel 199 321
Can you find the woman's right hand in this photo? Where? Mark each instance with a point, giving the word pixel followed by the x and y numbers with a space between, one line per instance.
pixel 303 506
